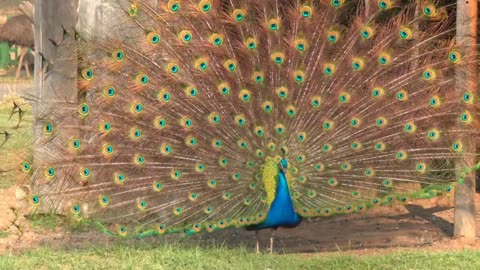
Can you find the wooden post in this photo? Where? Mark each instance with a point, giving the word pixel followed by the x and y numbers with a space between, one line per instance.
pixel 55 73
pixel 466 80
pixel 56 57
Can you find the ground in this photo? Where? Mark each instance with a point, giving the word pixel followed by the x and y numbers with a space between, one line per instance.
pixel 424 224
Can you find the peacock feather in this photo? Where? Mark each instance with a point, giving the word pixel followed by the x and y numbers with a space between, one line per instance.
pixel 205 114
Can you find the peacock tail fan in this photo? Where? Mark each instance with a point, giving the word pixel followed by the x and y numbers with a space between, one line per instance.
pixel 186 112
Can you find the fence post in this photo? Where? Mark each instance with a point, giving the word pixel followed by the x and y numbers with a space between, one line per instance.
pixel 466 80
pixel 56 50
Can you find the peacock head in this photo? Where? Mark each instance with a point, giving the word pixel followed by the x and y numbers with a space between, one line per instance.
pixel 284 165
pixel 283 162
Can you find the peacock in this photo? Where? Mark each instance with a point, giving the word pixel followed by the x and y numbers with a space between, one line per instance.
pixel 200 115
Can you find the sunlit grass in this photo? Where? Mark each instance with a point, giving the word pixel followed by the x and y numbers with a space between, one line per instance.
pixel 178 256
pixel 42 222
pixel 4 234
pixel 18 147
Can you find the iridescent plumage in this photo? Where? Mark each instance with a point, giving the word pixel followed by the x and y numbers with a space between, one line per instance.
pixel 202 115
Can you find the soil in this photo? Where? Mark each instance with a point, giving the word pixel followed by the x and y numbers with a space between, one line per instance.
pixel 426 224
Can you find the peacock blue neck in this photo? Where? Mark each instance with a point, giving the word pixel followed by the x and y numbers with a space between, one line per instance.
pixel 281 213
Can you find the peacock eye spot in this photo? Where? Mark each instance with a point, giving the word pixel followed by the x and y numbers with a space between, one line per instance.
pixel 336 3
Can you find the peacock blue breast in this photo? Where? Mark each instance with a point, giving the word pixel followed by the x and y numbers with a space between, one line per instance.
pixel 282 212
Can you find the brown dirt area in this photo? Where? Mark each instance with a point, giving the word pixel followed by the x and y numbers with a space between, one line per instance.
pixel 426 224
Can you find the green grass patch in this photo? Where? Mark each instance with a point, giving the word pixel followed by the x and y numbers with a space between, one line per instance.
pixel 41 222
pixel 176 256
pixel 19 145
pixel 4 234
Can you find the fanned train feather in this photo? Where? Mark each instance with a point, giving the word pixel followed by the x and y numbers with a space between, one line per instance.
pixel 189 112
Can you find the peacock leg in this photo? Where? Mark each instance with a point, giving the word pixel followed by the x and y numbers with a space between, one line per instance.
pixel 257 245
pixel 272 236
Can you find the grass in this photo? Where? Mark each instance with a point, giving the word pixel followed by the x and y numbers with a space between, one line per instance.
pixel 4 234
pixel 19 146
pixel 45 222
pixel 10 79
pixel 42 222
pixel 177 256
pixel 9 3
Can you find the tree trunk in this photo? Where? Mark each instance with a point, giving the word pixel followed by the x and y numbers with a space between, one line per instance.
pixel 466 80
